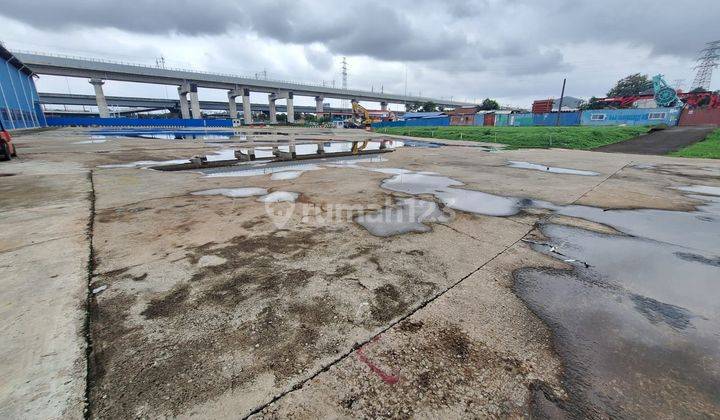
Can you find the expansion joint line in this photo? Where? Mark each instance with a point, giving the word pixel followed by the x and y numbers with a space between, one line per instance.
pixel 600 183
pixel 88 301
pixel 357 345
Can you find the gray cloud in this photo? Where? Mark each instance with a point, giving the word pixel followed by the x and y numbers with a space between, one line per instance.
pixel 145 16
pixel 486 47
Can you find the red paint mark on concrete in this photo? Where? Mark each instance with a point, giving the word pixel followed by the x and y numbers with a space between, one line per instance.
pixel 390 379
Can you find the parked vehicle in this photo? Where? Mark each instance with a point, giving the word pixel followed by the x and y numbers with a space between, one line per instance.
pixel 7 149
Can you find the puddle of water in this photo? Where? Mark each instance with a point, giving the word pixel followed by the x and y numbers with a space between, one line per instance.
pixel 391 171
pixel 305 149
pixel 93 141
pixel 407 215
pixel 455 198
pixel 643 166
pixel 698 230
pixel 551 169
pixel 259 169
pixel 641 322
pixel 279 196
pixel 146 163
pixel 233 192
pixel 481 203
pixel 223 154
pixel 352 162
pixel 701 189
pixel 414 183
pixel 284 175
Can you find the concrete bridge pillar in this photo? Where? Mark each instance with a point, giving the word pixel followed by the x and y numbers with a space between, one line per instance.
pixel 194 102
pixel 290 109
pixel 319 105
pixel 102 105
pixel 247 111
pixel 271 106
pixel 182 94
pixel 232 106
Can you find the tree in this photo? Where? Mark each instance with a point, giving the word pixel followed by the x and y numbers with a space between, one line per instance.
pixel 698 90
pixel 488 105
pixel 631 85
pixel 429 106
pixel 412 107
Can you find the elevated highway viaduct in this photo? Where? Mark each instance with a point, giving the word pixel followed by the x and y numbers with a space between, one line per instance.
pixel 151 104
pixel 188 81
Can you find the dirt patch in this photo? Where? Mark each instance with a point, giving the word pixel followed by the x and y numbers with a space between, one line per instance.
pixel 197 341
pixel 168 305
pixel 387 304
pixel 439 367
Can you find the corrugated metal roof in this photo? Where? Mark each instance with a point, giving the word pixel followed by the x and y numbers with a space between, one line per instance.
pixel 10 58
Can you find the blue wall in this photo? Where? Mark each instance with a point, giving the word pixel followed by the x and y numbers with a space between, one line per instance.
pixel 136 122
pixel 416 122
pixel 549 119
pixel 633 116
pixel 19 102
pixel 521 120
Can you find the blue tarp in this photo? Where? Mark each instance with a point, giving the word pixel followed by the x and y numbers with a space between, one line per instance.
pixel 136 122
pixel 550 118
pixel 418 122
pixel 414 115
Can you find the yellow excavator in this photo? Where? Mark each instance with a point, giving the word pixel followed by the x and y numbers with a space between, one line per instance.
pixel 361 116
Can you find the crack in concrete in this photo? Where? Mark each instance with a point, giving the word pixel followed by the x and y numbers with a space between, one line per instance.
pixel 88 301
pixel 357 345
pixel 17 248
pixel 600 183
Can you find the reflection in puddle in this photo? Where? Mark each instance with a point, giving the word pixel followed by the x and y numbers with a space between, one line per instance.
pixel 94 140
pixel 551 169
pixel 146 163
pixel 455 198
pixel 233 192
pixel 701 189
pixel 641 321
pixel 259 169
pixel 689 229
pixel 281 176
pixel 407 215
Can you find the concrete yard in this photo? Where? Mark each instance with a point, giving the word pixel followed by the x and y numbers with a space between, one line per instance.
pixel 554 294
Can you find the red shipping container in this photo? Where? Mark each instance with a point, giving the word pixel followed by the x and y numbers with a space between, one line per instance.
pixel 700 116
pixel 542 106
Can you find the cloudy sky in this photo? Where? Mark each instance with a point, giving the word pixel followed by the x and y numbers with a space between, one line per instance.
pixel 511 50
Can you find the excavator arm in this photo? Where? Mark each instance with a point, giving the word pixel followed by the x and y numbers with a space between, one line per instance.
pixel 361 114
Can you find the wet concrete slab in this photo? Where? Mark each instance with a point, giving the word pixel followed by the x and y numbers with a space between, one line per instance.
pixel 218 305
pixel 636 323
pixel 43 276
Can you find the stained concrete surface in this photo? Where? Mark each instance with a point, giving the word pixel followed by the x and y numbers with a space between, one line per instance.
pixel 212 308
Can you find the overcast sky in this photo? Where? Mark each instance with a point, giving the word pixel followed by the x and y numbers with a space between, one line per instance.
pixel 512 50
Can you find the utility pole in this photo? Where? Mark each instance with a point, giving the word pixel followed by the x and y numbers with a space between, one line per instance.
pixel 344 80
pixel 707 61
pixel 562 96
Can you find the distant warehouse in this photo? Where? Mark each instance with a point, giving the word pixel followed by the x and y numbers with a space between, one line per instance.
pixel 19 101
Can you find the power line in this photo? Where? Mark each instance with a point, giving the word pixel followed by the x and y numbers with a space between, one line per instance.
pixel 707 61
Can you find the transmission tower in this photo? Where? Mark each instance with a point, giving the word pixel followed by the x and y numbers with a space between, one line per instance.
pixel 707 61
pixel 344 80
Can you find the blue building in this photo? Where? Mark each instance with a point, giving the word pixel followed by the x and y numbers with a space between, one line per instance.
pixel 19 101
pixel 631 116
